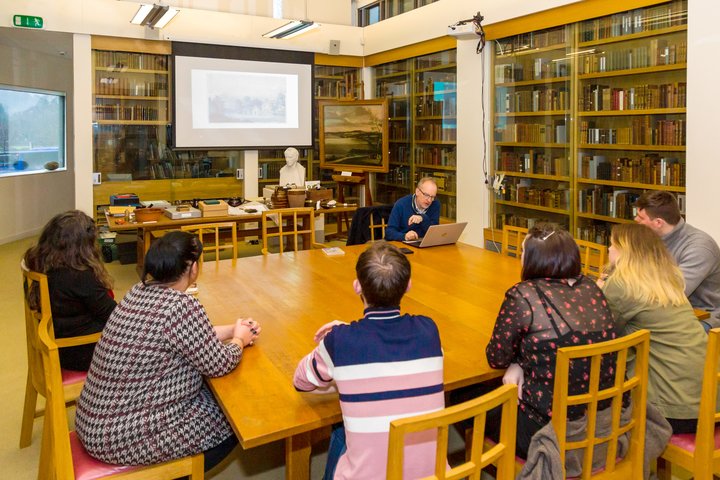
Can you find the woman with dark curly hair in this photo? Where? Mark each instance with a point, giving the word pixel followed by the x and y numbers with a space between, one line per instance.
pixel 81 295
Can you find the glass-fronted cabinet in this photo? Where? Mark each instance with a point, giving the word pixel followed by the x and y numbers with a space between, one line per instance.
pixel 532 118
pixel 422 102
pixel 394 82
pixel 631 111
pixel 435 125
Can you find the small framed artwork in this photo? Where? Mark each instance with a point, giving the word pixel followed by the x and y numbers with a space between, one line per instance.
pixel 354 135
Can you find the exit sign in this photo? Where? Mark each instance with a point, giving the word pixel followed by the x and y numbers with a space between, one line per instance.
pixel 27 21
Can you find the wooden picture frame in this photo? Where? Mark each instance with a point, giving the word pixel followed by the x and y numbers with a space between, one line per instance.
pixel 354 135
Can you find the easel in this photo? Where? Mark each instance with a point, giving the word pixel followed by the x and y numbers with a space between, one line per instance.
pixel 357 179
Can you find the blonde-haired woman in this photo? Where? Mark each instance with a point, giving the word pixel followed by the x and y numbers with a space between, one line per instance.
pixel 645 289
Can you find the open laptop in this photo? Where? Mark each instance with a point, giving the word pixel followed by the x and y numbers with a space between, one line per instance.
pixel 443 234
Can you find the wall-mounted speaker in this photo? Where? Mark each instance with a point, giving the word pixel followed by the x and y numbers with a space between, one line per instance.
pixel 334 48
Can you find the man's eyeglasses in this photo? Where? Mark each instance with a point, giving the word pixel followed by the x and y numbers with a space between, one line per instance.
pixel 427 197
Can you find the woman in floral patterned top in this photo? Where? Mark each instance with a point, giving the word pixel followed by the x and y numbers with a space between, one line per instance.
pixel 553 306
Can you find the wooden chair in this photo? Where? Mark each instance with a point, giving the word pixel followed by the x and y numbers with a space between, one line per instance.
pixel 72 381
pixel 699 453
pixel 631 465
pixel 210 235
pixel 63 457
pixel 593 257
pixel 283 223
pixel 501 454
pixel 512 240
pixel 382 223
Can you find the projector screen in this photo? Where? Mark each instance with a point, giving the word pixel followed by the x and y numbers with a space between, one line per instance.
pixel 233 103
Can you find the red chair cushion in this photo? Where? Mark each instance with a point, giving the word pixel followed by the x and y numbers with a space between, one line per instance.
pixel 88 468
pixel 686 441
pixel 72 376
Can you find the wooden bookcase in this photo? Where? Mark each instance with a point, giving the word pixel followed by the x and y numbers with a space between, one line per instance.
pixel 422 94
pixel 598 119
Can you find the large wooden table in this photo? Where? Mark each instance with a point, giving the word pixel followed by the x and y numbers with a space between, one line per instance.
pixel 293 294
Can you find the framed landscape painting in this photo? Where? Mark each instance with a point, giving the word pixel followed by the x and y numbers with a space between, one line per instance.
pixel 354 135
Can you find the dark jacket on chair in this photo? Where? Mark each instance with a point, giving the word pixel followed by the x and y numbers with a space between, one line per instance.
pixel 360 227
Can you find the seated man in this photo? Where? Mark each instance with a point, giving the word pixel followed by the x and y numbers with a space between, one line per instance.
pixel 695 252
pixel 413 214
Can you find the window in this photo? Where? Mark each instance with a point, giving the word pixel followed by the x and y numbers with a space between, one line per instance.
pixel 369 14
pixel 32 131
pixel 384 9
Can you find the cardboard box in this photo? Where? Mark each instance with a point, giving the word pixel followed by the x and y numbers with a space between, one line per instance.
pixel 174 214
pixel 211 209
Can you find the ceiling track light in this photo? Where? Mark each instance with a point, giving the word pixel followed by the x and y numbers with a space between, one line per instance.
pixel 154 16
pixel 291 29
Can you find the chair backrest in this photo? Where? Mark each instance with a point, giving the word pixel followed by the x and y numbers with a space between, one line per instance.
pixel 512 240
pixel 285 223
pixel 213 237
pixel 593 257
pixel 377 229
pixel 705 451
pixel 36 296
pixel 636 384
pixel 56 454
pixel 501 454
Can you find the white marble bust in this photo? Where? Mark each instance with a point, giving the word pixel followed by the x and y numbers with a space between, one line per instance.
pixel 292 172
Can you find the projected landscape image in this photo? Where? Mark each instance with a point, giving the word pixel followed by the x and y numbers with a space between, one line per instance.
pixel 247 98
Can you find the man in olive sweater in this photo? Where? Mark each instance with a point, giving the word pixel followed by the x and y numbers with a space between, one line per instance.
pixel 696 253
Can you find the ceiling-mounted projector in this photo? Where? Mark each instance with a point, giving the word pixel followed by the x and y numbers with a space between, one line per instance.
pixel 462 30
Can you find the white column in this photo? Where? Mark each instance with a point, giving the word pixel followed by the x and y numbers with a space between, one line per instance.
pixel 82 123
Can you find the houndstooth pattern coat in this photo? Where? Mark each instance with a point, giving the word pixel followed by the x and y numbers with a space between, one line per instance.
pixel 144 399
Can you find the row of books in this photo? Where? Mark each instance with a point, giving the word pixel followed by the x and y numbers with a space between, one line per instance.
pixel 535 100
pixel 348 86
pixel 279 154
pixel 130 87
pixel 437 59
pixel 135 61
pixel 446 181
pixel 598 233
pixel 270 170
pixel 399 175
pixel 435 83
pixel 651 169
pixel 533 132
pixel 541 68
pixel 400 153
pixel 398 108
pixel 136 112
pixel 388 89
pixel 398 131
pixel 436 156
pixel 525 41
pixel 657 52
pixel 536 163
pixel 435 132
pixel 535 195
pixel 427 107
pixel 597 97
pixel 641 132
pixel 600 200
pixel 448 208
pixel 635 21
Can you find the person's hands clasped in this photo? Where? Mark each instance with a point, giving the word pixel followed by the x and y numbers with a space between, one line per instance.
pixel 246 331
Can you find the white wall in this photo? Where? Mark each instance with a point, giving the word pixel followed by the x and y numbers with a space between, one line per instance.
pixel 29 201
pixel 703 106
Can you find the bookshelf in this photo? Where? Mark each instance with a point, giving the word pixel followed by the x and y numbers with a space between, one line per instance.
pixel 532 119
pixel 130 118
pixel 422 93
pixel 394 82
pixel 607 127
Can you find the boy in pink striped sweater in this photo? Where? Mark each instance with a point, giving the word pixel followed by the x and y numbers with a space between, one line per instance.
pixel 385 366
